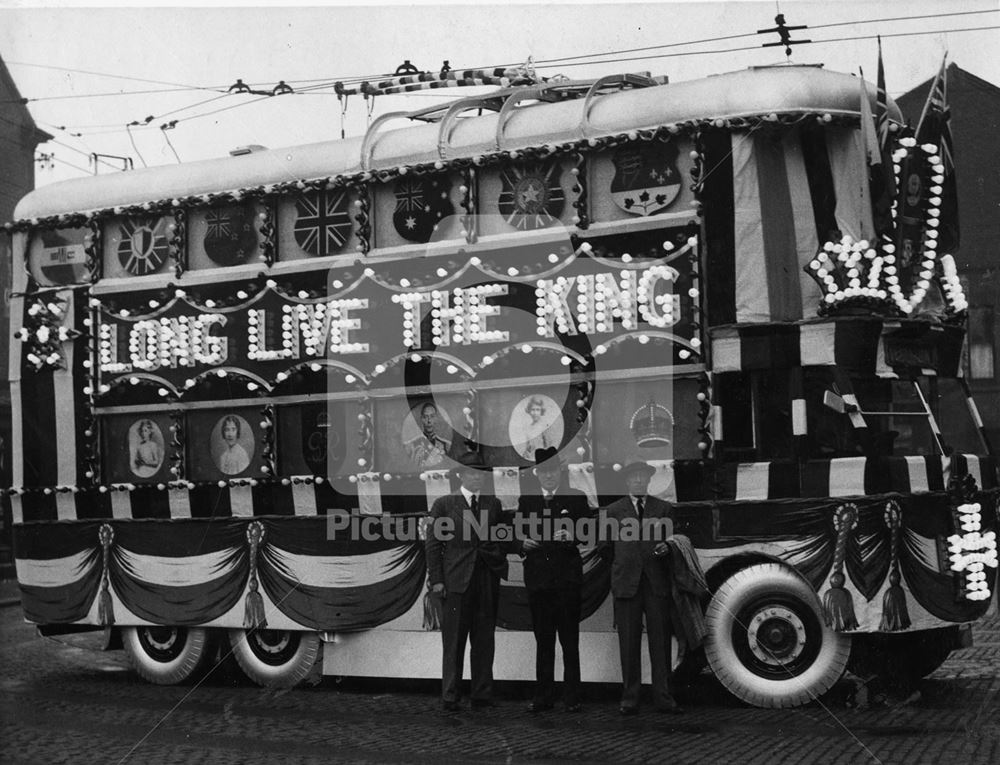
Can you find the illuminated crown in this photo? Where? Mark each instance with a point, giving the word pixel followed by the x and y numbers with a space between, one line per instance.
pixel 652 425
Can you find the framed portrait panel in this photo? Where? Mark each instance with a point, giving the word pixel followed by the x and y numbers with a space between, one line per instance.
pixel 224 444
pixel 136 448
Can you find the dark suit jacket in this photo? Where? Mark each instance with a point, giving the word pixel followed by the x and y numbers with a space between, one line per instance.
pixel 554 565
pixel 632 559
pixel 452 561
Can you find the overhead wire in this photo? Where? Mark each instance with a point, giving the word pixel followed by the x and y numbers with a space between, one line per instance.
pixel 571 61
pixel 304 85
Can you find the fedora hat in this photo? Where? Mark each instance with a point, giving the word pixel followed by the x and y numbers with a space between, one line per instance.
pixel 548 457
pixel 639 467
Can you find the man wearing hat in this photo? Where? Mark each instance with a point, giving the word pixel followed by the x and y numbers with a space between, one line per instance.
pixel 553 574
pixel 641 588
pixel 465 569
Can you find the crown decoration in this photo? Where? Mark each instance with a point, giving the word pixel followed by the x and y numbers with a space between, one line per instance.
pixel 652 425
pixel 866 275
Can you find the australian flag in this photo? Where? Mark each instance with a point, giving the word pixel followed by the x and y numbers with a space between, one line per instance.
pixel 420 204
pixel 323 223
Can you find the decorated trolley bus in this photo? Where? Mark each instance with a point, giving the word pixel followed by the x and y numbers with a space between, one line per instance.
pixel 238 384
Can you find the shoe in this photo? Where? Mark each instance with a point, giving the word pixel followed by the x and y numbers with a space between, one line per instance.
pixel 451 706
pixel 539 706
pixel 628 711
pixel 574 708
pixel 483 704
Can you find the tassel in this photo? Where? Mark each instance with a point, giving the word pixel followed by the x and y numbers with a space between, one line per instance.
pixel 432 611
pixel 253 616
pixel 895 617
pixel 105 607
pixel 838 606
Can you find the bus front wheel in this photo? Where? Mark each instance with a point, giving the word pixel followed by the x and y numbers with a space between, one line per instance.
pixel 767 642
pixel 167 655
pixel 275 658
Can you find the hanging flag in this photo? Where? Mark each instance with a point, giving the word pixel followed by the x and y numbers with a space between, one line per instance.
pixel 873 157
pixel 532 196
pixel 231 237
pixel 421 203
pixel 646 177
pixel 934 128
pixel 143 246
pixel 883 180
pixel 323 223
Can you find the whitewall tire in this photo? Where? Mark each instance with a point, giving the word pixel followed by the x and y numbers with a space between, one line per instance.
pixel 767 642
pixel 275 658
pixel 167 655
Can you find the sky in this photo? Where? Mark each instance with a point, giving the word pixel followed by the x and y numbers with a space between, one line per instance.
pixel 89 72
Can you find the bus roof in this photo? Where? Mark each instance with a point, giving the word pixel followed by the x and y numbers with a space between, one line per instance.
pixel 756 91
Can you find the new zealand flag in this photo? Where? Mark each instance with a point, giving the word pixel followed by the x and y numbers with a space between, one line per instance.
pixel 421 203
pixel 231 237
pixel 323 223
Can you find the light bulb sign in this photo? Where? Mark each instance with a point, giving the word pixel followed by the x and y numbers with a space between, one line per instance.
pixel 583 300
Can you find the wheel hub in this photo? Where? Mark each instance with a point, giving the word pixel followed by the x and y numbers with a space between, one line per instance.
pixel 271 641
pixel 161 638
pixel 776 635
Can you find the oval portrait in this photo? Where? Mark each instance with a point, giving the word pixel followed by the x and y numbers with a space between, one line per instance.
pixel 535 423
pixel 427 435
pixel 145 448
pixel 232 444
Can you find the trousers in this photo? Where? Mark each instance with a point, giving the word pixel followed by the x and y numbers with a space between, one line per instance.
pixel 470 616
pixel 629 613
pixel 556 612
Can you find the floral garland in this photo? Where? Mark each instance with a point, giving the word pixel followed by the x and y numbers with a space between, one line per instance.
pixel 865 275
pixel 44 333
pixel 584 145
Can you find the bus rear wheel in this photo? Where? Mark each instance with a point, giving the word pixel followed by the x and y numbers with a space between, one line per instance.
pixel 167 655
pixel 767 642
pixel 275 658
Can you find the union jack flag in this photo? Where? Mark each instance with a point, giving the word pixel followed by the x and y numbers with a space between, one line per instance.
pixel 934 127
pixel 323 223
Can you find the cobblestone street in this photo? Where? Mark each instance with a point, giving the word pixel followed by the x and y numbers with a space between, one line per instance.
pixel 62 702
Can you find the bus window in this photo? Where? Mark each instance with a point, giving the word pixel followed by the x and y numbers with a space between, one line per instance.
pixel 949 404
pixel 897 420
pixel 830 433
pixel 756 411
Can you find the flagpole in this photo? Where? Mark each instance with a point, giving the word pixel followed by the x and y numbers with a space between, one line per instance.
pixel 930 92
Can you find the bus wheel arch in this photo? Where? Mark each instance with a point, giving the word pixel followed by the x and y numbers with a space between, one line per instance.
pixel 767 642
pixel 275 658
pixel 168 655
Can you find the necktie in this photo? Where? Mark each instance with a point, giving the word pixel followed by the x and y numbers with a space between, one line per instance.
pixel 640 507
pixel 474 503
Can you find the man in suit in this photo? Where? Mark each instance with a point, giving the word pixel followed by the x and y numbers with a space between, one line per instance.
pixel 465 568
pixel 641 587
pixel 553 574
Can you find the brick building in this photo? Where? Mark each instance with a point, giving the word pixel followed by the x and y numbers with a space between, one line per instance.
pixel 18 138
pixel 975 127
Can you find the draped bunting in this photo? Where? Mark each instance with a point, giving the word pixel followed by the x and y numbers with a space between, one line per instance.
pixel 194 571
